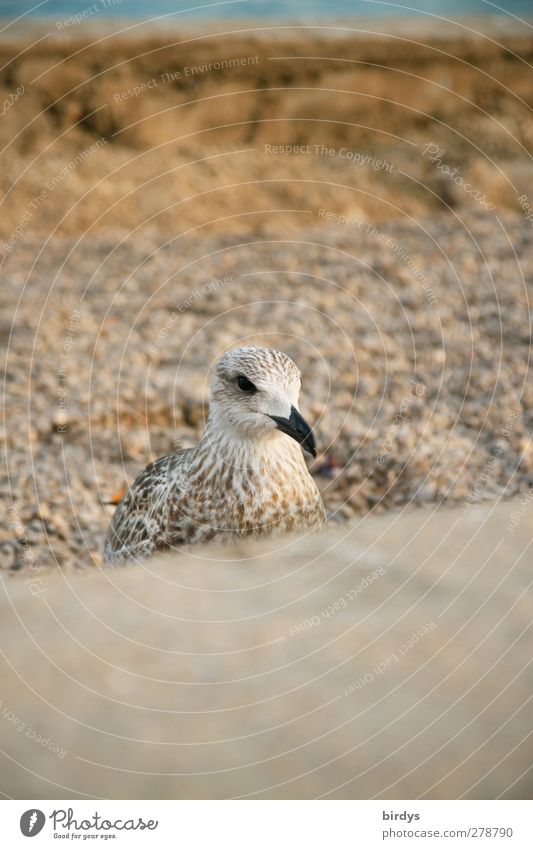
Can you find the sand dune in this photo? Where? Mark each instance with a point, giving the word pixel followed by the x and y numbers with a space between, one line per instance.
pixel 389 660
pixel 192 118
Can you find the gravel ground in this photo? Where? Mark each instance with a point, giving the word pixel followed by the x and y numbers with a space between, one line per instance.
pixel 413 340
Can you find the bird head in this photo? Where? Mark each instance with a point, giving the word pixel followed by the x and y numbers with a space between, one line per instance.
pixel 254 394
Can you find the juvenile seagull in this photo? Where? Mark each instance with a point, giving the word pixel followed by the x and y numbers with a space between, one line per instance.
pixel 247 476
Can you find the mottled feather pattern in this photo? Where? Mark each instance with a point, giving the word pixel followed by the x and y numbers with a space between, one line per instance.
pixel 139 521
pixel 236 483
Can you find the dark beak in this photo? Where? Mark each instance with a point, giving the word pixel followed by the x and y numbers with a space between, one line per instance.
pixel 297 428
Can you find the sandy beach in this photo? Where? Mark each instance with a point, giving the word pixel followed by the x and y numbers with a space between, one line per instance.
pixel 242 131
pixel 166 197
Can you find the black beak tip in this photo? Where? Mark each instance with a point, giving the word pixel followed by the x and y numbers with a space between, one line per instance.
pixel 297 428
pixel 308 444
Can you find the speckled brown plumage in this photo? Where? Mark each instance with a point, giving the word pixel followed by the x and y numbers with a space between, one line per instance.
pixel 247 477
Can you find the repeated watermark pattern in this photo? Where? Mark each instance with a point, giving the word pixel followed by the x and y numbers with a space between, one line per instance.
pixel 202 292
pixel 11 99
pixel 405 257
pixel 355 157
pixel 388 240
pixel 526 208
pixel 89 12
pixel 155 82
pixel 34 581
pixel 188 72
pixel 517 515
pixel 50 185
pixel 73 324
pixel 371 284
pixel 435 154
pixel 27 731
pixel 340 604
pixel 477 491
pixel 417 391
pixel 339 218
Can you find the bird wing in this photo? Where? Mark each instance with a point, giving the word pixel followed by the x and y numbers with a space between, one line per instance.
pixel 139 523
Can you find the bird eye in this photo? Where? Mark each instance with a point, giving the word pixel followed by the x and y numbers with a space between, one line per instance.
pixel 246 385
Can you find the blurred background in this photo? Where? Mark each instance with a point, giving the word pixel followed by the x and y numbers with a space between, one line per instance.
pixel 351 183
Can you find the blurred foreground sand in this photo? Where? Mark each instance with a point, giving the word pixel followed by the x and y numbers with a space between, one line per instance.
pixel 391 659
pixel 388 657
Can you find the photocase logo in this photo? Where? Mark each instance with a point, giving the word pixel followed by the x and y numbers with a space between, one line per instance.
pixel 32 822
